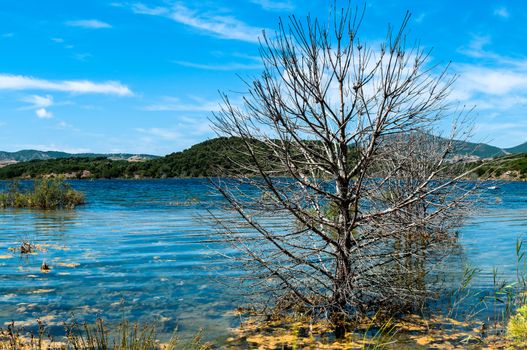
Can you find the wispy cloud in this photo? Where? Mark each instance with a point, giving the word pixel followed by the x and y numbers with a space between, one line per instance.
pixel 37 101
pixel 51 147
pixel 83 57
pixel 498 81
pixel 492 74
pixel 420 18
pixel 153 11
pixel 502 12
pixel 275 5
pixel 192 104
pixel 89 23
pixel 21 82
pixel 207 22
pixel 186 131
pixel 40 105
pixel 63 125
pixel 497 86
pixel 161 133
pixel 221 67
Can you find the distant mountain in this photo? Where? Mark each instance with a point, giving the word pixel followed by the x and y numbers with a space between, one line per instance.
pixel 201 160
pixel 481 150
pixel 27 155
pixel 518 149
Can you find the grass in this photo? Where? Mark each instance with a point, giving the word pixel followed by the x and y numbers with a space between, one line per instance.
pixel 45 194
pixel 517 327
pixel 97 336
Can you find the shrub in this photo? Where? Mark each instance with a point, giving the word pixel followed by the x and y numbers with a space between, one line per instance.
pixel 517 326
pixel 46 194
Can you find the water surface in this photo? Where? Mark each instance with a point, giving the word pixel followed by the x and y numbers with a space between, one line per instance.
pixel 140 250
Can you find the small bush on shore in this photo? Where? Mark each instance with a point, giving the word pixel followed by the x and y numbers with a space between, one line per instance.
pixel 517 327
pixel 46 194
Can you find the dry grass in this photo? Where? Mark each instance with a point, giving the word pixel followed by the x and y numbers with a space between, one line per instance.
pixel 96 336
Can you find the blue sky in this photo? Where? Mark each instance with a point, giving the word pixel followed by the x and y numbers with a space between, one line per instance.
pixel 143 77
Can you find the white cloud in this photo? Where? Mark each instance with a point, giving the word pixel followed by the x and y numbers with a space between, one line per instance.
pixel 21 82
pixel 221 26
pixel 89 23
pixel 40 104
pixel 275 5
pixel 37 101
pixel 42 113
pixel 57 40
pixel 153 11
pixel 492 74
pixel 490 80
pixel 497 86
pixel 502 12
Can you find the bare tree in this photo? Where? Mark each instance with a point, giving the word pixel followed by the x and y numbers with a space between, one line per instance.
pixel 345 201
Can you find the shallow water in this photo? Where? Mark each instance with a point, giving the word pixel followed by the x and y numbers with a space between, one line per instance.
pixel 144 253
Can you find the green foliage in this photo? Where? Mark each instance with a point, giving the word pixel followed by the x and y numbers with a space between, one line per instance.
pixel 46 194
pixel 517 326
pixel 515 166
pixel 98 336
pixel 202 160
pixel 217 157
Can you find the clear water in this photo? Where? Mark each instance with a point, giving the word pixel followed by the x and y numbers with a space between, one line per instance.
pixel 144 253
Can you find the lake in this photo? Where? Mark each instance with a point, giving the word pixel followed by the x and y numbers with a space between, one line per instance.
pixel 142 250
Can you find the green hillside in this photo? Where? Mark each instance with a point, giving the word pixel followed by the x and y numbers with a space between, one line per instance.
pixel 27 155
pixel 203 159
pixel 511 167
pixel 518 149
pixel 481 150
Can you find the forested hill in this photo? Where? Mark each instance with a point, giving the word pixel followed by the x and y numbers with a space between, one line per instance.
pixel 200 160
pixel 30 154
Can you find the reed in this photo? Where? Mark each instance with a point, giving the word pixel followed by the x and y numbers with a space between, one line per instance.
pixel 97 336
pixel 45 194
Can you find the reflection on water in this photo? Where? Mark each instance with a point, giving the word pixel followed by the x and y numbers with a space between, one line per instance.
pixel 138 250
pixel 135 250
pixel 489 237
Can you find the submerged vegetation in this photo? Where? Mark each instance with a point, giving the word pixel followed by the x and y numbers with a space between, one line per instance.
pixel 45 194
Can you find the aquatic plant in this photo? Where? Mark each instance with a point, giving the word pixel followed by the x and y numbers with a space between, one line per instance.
pixel 127 336
pixel 26 248
pixel 97 336
pixel 45 267
pixel 46 194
